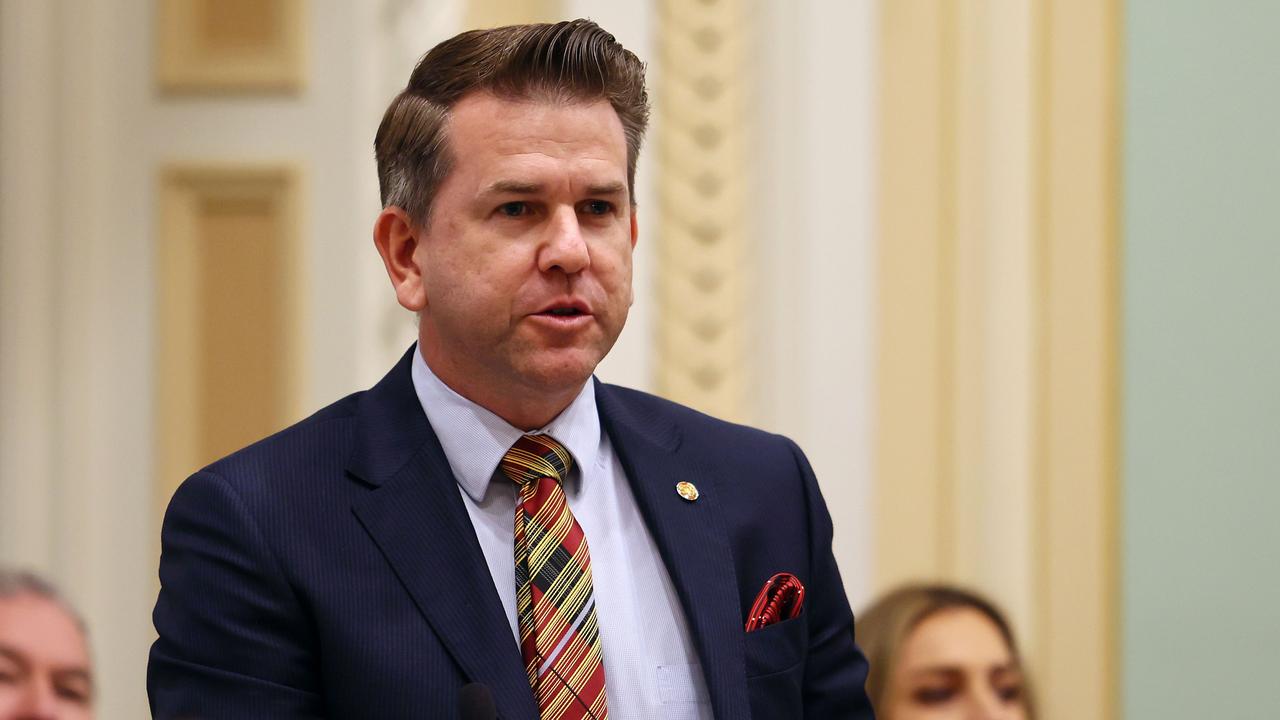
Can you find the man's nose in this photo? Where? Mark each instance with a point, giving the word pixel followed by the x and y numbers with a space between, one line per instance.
pixel 37 702
pixel 565 247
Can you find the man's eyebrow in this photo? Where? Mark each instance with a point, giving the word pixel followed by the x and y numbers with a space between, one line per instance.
pixel 76 673
pixel 613 188
pixel 13 656
pixel 512 187
pixel 517 187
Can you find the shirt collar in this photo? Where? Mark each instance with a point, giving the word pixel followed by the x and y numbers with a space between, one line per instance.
pixel 474 439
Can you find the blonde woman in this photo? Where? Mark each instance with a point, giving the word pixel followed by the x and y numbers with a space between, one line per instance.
pixel 939 652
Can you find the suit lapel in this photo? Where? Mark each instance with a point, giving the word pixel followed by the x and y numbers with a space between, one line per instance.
pixel 416 516
pixel 691 538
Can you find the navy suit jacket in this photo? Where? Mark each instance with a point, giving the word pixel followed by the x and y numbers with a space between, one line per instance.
pixel 331 570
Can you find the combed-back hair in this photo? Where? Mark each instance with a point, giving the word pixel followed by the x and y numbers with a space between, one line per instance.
pixel 570 61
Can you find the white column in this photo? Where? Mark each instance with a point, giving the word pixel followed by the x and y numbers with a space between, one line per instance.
pixel 816 289
pixel 28 259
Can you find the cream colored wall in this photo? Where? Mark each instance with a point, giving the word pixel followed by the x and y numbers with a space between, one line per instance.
pixel 75 334
pixel 814 295
pixel 83 136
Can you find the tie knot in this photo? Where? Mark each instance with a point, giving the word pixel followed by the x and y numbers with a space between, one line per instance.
pixel 534 457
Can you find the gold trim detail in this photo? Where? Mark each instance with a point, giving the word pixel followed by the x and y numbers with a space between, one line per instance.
pixel 230 329
pixel 222 46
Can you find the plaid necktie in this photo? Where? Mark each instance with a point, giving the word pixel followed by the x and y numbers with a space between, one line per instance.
pixel 559 636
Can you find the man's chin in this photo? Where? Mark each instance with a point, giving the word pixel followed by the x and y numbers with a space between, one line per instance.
pixel 561 372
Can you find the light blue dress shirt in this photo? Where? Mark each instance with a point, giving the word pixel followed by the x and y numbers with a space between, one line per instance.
pixel 650 662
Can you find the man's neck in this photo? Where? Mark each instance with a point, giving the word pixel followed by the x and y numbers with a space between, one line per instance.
pixel 519 406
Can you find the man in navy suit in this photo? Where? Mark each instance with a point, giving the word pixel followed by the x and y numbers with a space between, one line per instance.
pixel 361 563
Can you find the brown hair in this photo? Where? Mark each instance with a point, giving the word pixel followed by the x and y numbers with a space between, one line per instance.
pixel 575 60
pixel 883 629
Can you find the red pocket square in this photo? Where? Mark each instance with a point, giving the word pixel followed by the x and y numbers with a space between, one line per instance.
pixel 781 598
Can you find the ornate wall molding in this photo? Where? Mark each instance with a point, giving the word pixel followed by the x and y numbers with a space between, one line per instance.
pixel 702 98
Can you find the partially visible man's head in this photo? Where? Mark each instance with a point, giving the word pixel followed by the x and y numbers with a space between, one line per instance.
pixel 45 670
pixel 569 61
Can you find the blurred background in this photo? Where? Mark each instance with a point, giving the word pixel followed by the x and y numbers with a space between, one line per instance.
pixel 1008 271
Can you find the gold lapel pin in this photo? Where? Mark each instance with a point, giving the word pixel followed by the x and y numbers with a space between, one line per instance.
pixel 687 490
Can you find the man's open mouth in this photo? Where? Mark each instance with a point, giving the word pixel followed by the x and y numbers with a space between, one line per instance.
pixel 565 307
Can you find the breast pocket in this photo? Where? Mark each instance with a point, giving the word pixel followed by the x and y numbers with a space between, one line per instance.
pixel 775 668
pixel 776 647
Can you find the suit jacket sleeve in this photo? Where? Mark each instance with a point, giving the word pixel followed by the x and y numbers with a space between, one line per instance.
pixel 233 641
pixel 836 670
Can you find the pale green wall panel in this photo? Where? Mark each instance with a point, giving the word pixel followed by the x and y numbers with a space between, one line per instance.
pixel 1201 399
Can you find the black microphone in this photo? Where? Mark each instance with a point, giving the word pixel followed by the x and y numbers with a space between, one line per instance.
pixel 475 702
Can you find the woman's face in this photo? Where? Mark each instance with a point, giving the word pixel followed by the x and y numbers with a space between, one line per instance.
pixel 955 664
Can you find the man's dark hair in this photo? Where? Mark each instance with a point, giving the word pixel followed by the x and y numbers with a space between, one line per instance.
pixel 571 61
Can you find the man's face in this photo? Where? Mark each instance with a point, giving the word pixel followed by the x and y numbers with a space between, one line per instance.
pixel 526 260
pixel 44 663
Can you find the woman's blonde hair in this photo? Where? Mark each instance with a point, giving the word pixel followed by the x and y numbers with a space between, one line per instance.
pixel 883 628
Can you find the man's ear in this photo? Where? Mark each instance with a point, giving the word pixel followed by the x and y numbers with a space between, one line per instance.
pixel 396 236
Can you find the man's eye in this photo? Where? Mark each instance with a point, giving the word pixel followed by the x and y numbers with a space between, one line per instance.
pixel 514 209
pixel 73 694
pixel 597 207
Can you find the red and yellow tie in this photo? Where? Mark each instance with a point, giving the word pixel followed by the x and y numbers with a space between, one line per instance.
pixel 559 635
